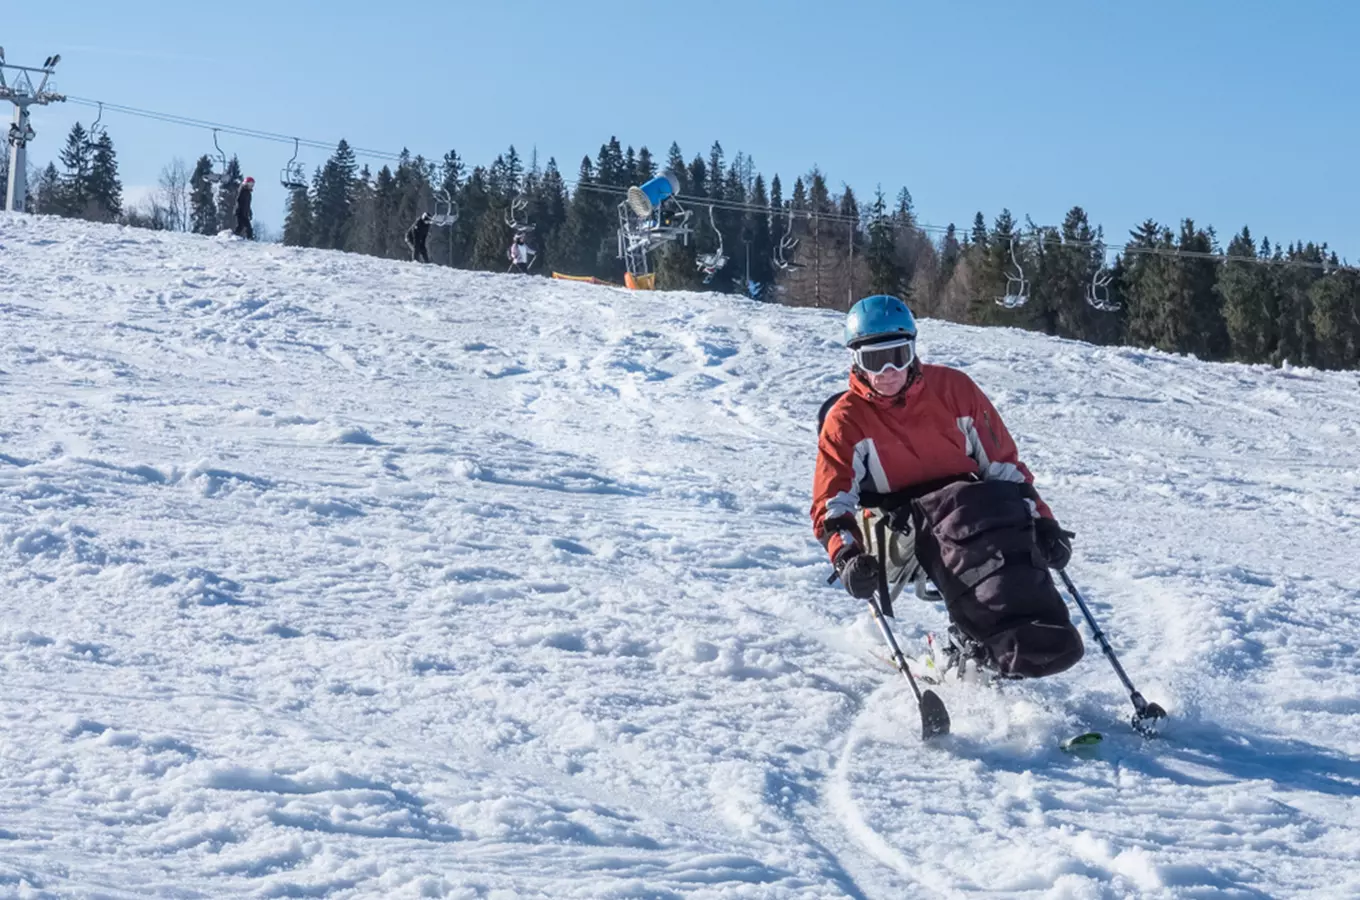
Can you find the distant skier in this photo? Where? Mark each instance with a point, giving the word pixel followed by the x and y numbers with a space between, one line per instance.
pixel 243 216
pixel 919 452
pixel 416 236
pixel 521 254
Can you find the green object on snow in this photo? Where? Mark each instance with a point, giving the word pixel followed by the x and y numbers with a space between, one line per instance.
pixel 1082 741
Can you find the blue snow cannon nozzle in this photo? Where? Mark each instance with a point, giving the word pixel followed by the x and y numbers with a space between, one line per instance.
pixel 645 199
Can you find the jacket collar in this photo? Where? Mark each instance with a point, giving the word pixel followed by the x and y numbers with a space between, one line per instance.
pixel 860 387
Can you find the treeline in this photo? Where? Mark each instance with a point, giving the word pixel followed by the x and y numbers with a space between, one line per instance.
pixel 1169 287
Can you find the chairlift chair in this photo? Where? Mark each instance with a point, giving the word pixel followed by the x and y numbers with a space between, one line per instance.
pixel 1017 287
pixel 221 159
pixel 711 263
pixel 96 130
pixel 1098 291
pixel 787 244
pixel 294 174
pixel 445 209
pixel 514 216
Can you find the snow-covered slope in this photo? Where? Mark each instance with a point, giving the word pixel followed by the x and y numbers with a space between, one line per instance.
pixel 327 576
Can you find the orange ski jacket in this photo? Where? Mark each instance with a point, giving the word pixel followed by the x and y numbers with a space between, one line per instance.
pixel 942 426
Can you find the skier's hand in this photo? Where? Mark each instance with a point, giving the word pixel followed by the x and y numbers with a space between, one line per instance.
pixel 1055 543
pixel 858 571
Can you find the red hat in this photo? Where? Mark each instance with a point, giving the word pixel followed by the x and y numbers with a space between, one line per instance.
pixel 249 180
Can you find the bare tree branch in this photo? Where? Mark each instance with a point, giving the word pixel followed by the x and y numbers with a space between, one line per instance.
pixel 172 198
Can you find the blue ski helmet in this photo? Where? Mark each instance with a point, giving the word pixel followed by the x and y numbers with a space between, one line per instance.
pixel 878 317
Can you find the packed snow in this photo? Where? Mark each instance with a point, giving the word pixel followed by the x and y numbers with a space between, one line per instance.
pixel 330 576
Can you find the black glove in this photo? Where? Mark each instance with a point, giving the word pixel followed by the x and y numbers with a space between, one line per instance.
pixel 1055 543
pixel 858 571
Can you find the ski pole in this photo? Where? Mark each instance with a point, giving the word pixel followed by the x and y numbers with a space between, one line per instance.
pixel 934 716
pixel 1144 712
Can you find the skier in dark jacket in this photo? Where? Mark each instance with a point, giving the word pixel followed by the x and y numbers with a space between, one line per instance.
pixel 416 236
pixel 243 197
pixel 915 467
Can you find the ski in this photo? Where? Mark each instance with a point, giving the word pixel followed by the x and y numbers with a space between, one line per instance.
pixel 1084 744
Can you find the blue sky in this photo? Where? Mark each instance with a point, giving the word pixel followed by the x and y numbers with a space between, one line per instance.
pixel 1228 112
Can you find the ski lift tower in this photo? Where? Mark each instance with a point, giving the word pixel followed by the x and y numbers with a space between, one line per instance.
pixel 18 89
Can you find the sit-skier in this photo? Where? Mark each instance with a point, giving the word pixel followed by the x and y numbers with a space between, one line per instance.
pixel 917 477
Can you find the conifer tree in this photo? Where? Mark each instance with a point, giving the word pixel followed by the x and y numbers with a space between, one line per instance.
pixel 105 190
pixel 451 172
pixel 492 241
pixel 904 216
pixel 514 171
pixel 227 190
pixel 979 237
pixel 675 164
pixel 757 260
pixel 297 226
pixel 645 170
pixel 715 170
pixel 697 178
pixel 474 201
pixel 1336 319
pixel 586 227
pixel 1294 285
pixel 850 274
pixel 1064 271
pixel 73 197
pixel 950 251
pixel 548 211
pixel 444 245
pixel 990 265
pixel 48 196
pixel 1250 306
pixel 333 198
pixel 1145 282
pixel 1204 332
pixel 886 275
pixel 1172 297
pixel 202 205
pixel 915 253
pixel 609 165
pixel 366 225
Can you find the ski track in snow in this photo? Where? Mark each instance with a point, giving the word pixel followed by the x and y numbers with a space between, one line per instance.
pixel 323 575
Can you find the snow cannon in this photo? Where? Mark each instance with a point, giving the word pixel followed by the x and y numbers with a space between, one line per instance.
pixel 645 199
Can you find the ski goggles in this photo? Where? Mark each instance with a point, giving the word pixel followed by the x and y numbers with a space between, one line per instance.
pixel 875 358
